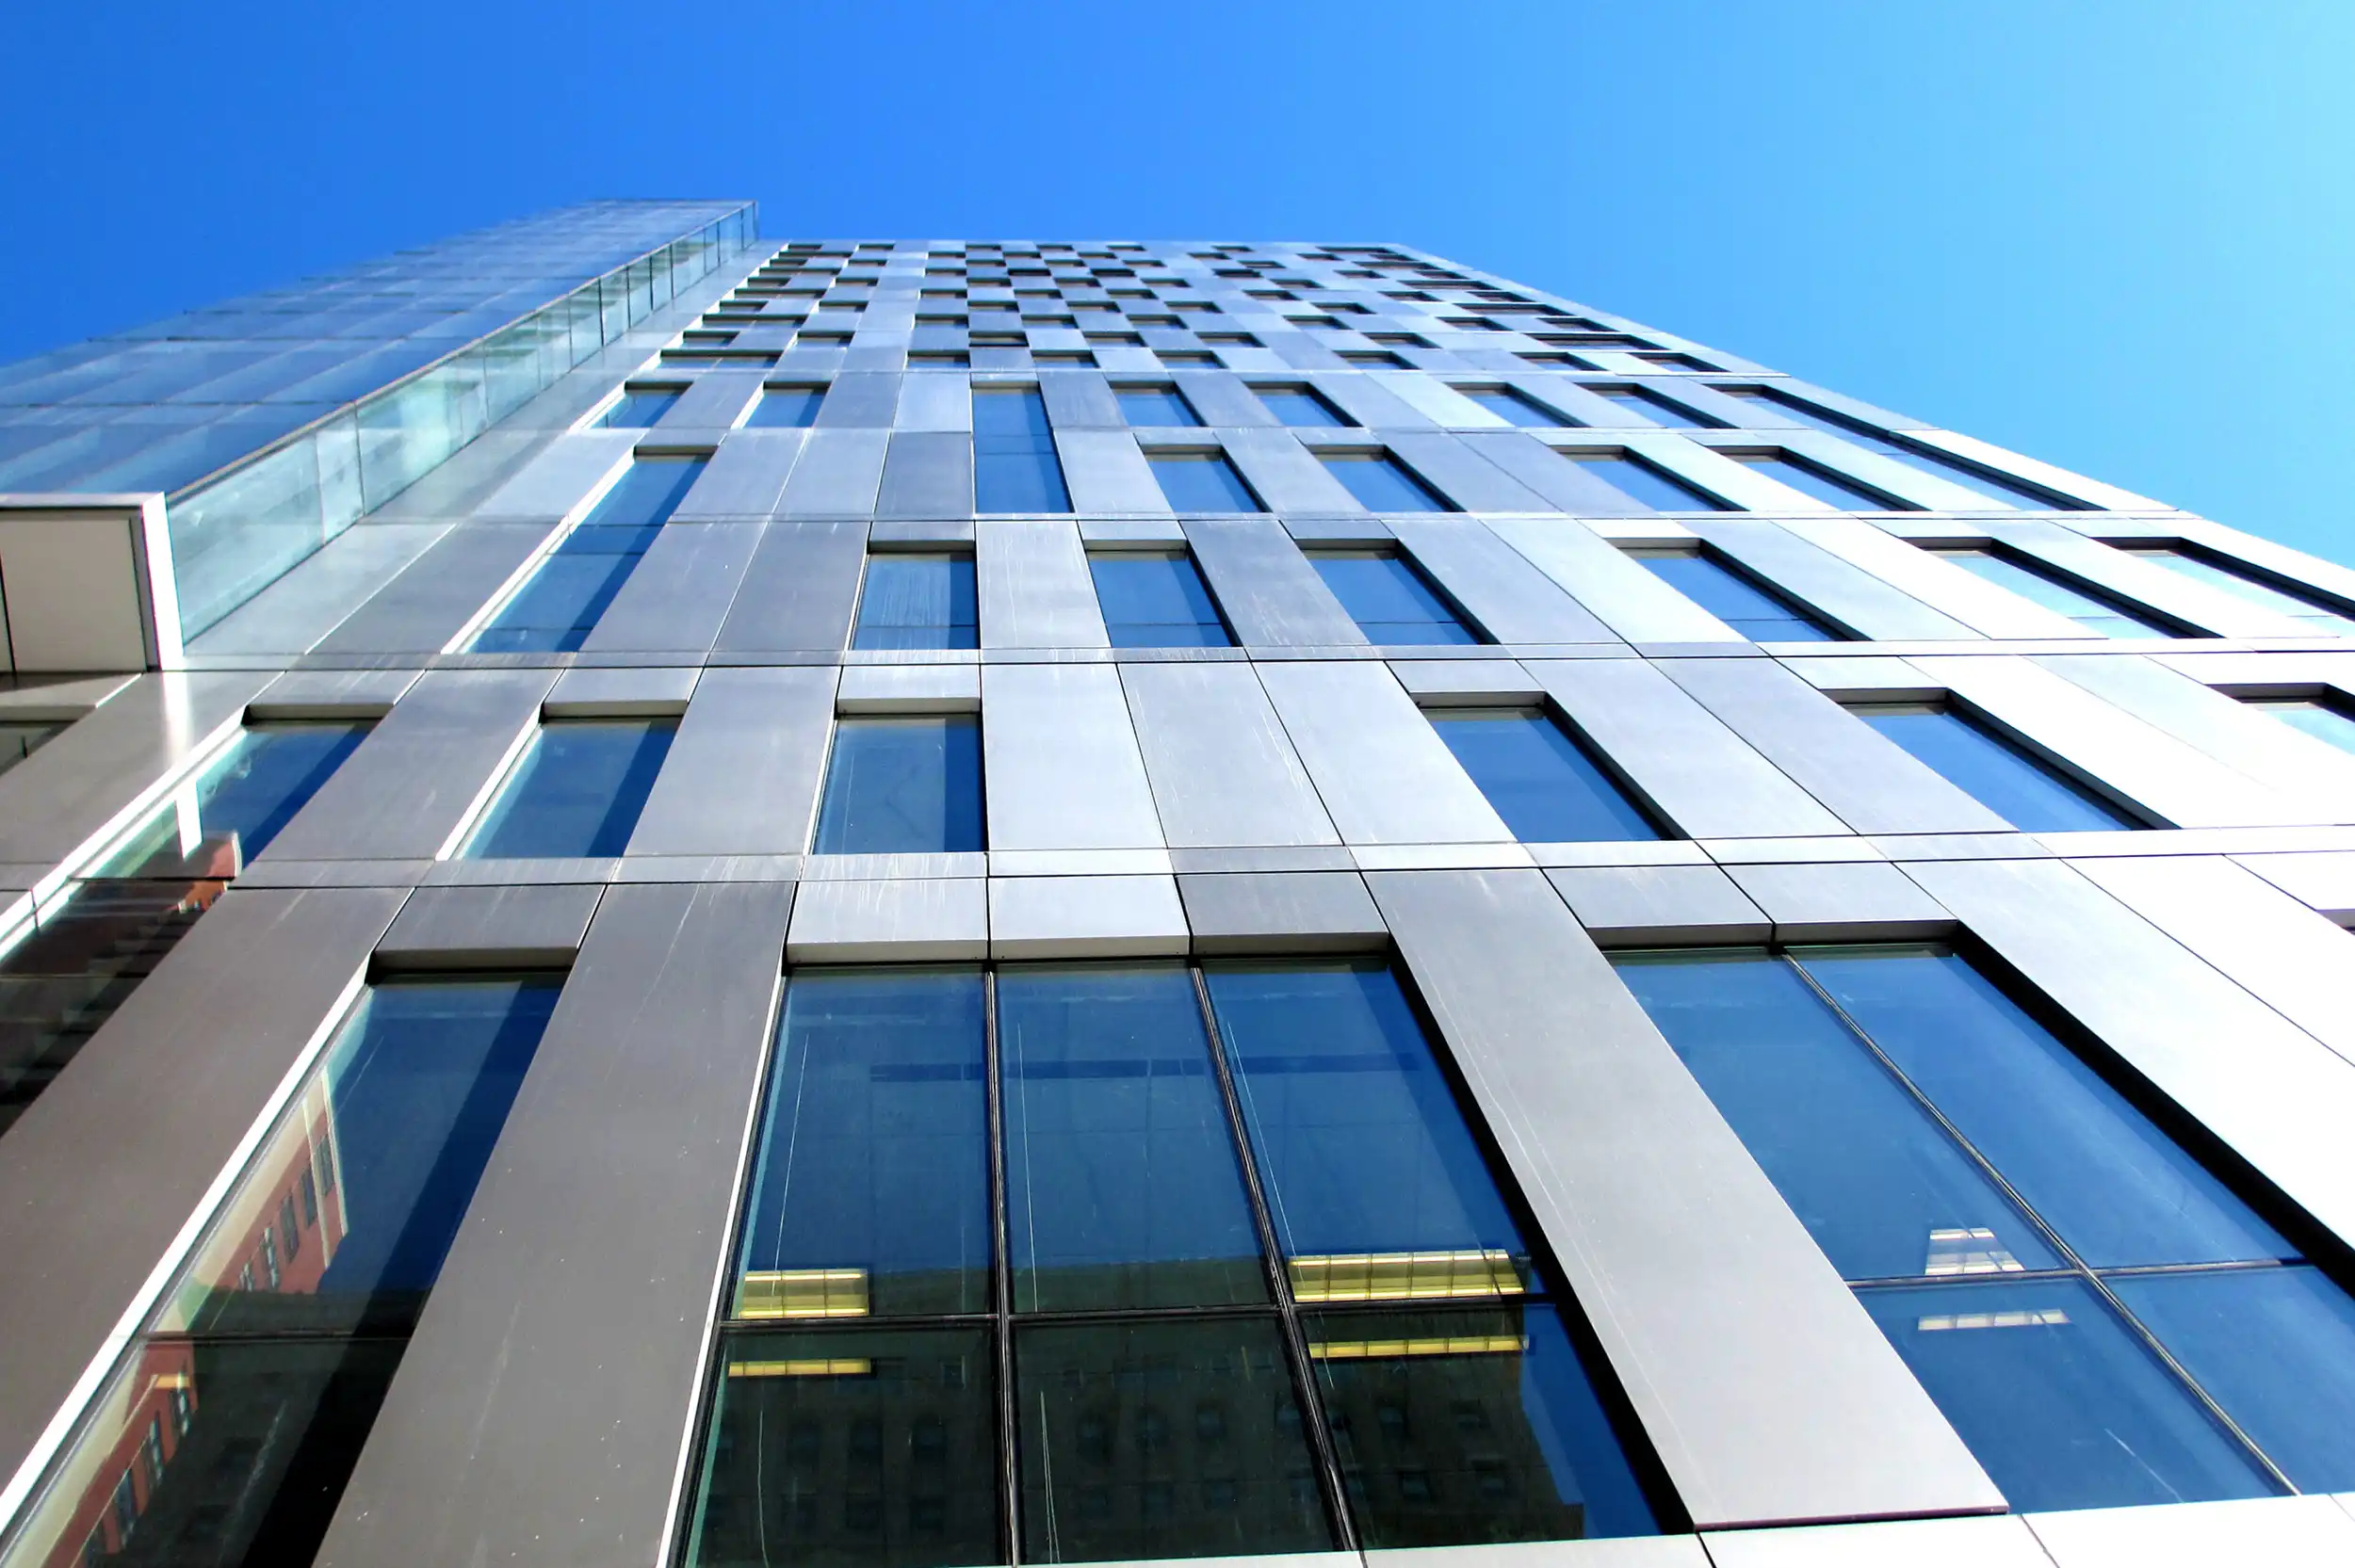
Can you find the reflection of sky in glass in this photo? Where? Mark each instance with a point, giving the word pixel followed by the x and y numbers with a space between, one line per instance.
pixel 244 797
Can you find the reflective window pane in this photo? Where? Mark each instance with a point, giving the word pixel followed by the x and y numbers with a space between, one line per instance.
pixel 2319 717
pixel 2018 497
pixel 1156 599
pixel 790 408
pixel 1376 1187
pixel 560 605
pixel 229 812
pixel 1145 407
pixel 902 786
pixel 919 601
pixel 1122 1186
pixel 1389 599
pixel 1660 410
pixel 1515 407
pixel 1648 489
pixel 1300 408
pixel 1457 1428
pixel 872 1195
pixel 1733 598
pixel 638 407
pixel 578 791
pixel 2094 612
pixel 1823 485
pixel 2064 1406
pixel 873 1448
pixel 1539 780
pixel 2025 791
pixel 1162 1439
pixel 1014 466
pixel 2249 587
pixel 1201 481
pixel 1382 483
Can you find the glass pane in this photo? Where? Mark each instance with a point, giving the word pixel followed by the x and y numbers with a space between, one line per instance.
pixel 345 1216
pixel 578 791
pixel 2020 790
pixel 1201 481
pixel 2274 1347
pixel 787 408
pixel 1647 489
pixel 1460 1428
pixel 2059 1401
pixel 2315 716
pixel 2117 1188
pixel 640 406
pixel 1376 1187
pixel 555 610
pixel 1660 410
pixel 229 812
pixel 1122 1184
pixel 2094 614
pixel 919 602
pixel 2018 497
pixel 1877 1183
pixel 1540 780
pixel 1507 404
pixel 1827 488
pixel 1733 598
pixel 861 1450
pixel 19 741
pixel 1389 598
pixel 903 786
pixel 1146 407
pixel 1146 1439
pixel 1156 600
pixel 1381 483
pixel 1014 466
pixel 1299 407
pixel 871 1195
pixel 2253 590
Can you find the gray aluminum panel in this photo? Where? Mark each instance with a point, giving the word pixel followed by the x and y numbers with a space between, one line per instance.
pixel 1700 774
pixel 1383 773
pixel 1458 472
pixel 1436 401
pixel 493 1445
pixel 1272 596
pixel 1617 590
pixel 1563 482
pixel 621 692
pixel 1369 404
pixel 1847 595
pixel 928 473
pixel 1923 575
pixel 1999 1542
pixel 294 612
pixel 1080 399
pixel 1107 472
pixel 744 477
pixel 333 694
pixel 936 400
pixel 1224 399
pixel 860 399
pixel 1860 902
pixel 121 1149
pixel 901 920
pixel 1061 760
pixel 1034 587
pixel 1631 905
pixel 1768 1393
pixel 436 594
pixel 799 591
pixel 1283 474
pixel 2187 599
pixel 1282 912
pixel 838 474
pixel 553 484
pixel 1512 599
pixel 1059 918
pixel 678 596
pixel 489 928
pixel 405 790
pixel 2323 880
pixel 742 775
pixel 1224 773
pixel 711 403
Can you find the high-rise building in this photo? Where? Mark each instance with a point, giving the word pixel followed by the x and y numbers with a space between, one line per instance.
pixel 673 898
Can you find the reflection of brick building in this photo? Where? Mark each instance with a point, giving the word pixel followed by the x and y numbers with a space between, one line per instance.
pixel 149 1409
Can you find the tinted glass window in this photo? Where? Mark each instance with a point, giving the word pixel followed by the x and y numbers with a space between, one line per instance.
pixel 1822 484
pixel 1734 598
pixel 1014 466
pixel 1510 405
pixel 1648 489
pixel 2316 716
pixel 1660 410
pixel 558 607
pixel 902 786
pixel 2247 587
pixel 1300 408
pixel 2025 791
pixel 2092 611
pixel 1389 598
pixel 1540 780
pixel 638 407
pixel 2019 497
pixel 787 408
pixel 919 601
pixel 1156 599
pixel 236 804
pixel 1381 483
pixel 1201 481
pixel 578 791
pixel 1151 406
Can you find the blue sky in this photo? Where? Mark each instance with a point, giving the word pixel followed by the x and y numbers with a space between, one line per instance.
pixel 2117 237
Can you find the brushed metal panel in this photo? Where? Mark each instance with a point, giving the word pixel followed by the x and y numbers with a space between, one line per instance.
pixel 1043 917
pixel 745 476
pixel 1929 578
pixel 678 598
pixel 1282 912
pixel 1631 905
pixel 900 920
pixel 489 928
pixel 1458 472
pixel 1061 760
pixel 1383 774
pixel 1034 587
pixel 1844 594
pixel 799 591
pixel 560 477
pixel 1986 1541
pixel 1222 770
pixel 1272 596
pixel 1511 599
pixel 742 775
pixel 437 593
pixel 927 473
pixel 1107 472
pixel 2278 1532
pixel 936 400
pixel 1283 474
pixel 1610 584
pixel 838 474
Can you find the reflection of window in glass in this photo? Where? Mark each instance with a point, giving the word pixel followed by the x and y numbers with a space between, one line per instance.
pixel 577 790
pixel 1733 596
pixel 912 600
pixel 902 786
pixel 639 406
pixel 1545 785
pixel 1156 599
pixel 2323 717
pixel 2028 1240
pixel 230 810
pixel 1382 483
pixel 2094 611
pixel 561 604
pixel 2021 788
pixel 2247 585
pixel 1388 597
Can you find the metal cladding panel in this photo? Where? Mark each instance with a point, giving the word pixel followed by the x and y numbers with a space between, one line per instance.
pixel 711 403
pixel 2211 609
pixel 928 473
pixel 1061 760
pixel 1079 400
pixel 860 399
pixel 741 777
pixel 1108 473
pixel 2279 1097
pixel 1385 776
pixel 936 400
pixel 1285 475
pixel 1768 1393
pixel 1964 596
pixel 553 485
pixel 492 1446
pixel 434 597
pixel 1460 473
pixel 486 927
pixel 411 783
pixel 1612 587
pixel 799 591
pixel 1222 770
pixel 839 473
pixel 121 1150
pixel 1034 587
pixel 678 596
pixel 1844 594
pixel 1272 596
pixel 1282 912
pixel 1704 777
pixel 745 476
pixel 1511 599
pixel 1563 482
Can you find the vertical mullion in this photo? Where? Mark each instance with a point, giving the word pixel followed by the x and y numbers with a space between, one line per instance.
pixel 1279 1278
pixel 1001 1278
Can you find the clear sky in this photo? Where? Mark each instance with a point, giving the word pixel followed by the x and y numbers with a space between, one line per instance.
pixel 2115 235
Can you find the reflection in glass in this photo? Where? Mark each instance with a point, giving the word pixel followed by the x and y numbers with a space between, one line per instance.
pixel 867 1448
pixel 638 407
pixel 1539 780
pixel 1660 410
pixel 902 786
pixel 1515 407
pixel 2023 790
pixel 2095 612
pixel 2059 1400
pixel 1463 1427
pixel 578 791
pixel 871 1195
pixel 919 601
pixel 2319 717
pixel 1162 1439
pixel 1747 607
pixel 1382 483
pixel 1645 487
pixel 557 609
pixel 1300 408
pixel 1014 466
pixel 1390 599
pixel 230 810
pixel 1201 481
pixel 1156 599
pixel 1375 1185
pixel 1831 489
pixel 1122 1186
pixel 788 408
pixel 1146 407
pixel 2245 586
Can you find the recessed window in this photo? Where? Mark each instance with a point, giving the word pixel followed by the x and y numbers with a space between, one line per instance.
pixel 1303 408
pixel 1676 362
pixel 1545 785
pixel 228 813
pixel 1652 406
pixel 1146 407
pixel 1516 407
pixel 2322 717
pixel 1187 362
pixel 957 359
pixel 1822 483
pixel 560 604
pixel 1647 486
pixel 1382 483
pixel 1156 599
pixel 2095 612
pixel 898 785
pixel 1201 481
pixel 2030 793
pixel 1391 599
pixel 1015 465
pixel 787 408
pixel 1744 603
pixel 2245 584
pixel 578 791
pixel 2001 492
pixel 638 407
pixel 918 600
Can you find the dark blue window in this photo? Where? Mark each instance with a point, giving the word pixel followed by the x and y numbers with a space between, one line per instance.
pixel 1543 782
pixel 1156 599
pixel 1821 483
pixel 2096 612
pixel 787 408
pixel 1659 409
pixel 1014 466
pixel 1390 599
pixel 1302 408
pixel 919 601
pixel 555 610
pixel 578 791
pixel 1733 597
pixel 2003 493
pixel 2025 791
pixel 237 803
pixel 1382 483
pixel 902 786
pixel 1508 404
pixel 1648 488
pixel 1148 406
pixel 1201 481
pixel 2319 717
pixel 638 407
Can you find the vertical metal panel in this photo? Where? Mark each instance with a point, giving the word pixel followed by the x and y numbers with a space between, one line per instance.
pixel 1700 775
pixel 1461 475
pixel 799 591
pixel 1611 586
pixel 928 473
pixel 1436 401
pixel 1224 399
pixel 711 403
pixel 121 1152
pixel 1385 776
pixel 1847 594
pixel 745 476
pixel 936 400
pixel 1061 765
pixel 1512 599
pixel 837 474
pixel 436 594
pixel 1286 477
pixel 1272 596
pixel 678 598
pixel 1369 403
pixel 410 783
pixel 1767 1392
pixel 860 399
pixel 1107 472
pixel 1077 400
pixel 539 1412
pixel 1223 771
pixel 741 777
pixel 554 484
pixel 1034 587
pixel 1962 595
pixel 2187 599
pixel 1563 483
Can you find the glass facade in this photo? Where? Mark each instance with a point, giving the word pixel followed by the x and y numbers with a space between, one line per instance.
pixel 2247 584
pixel 787 408
pixel 1547 787
pixel 1156 599
pixel 577 790
pixel 1015 465
pixel 1646 487
pixel 1301 407
pixel 1382 483
pixel 1390 600
pixel 2016 497
pixel 1201 481
pixel 902 786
